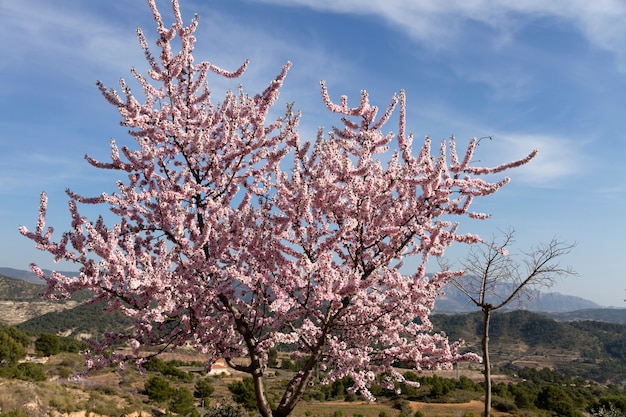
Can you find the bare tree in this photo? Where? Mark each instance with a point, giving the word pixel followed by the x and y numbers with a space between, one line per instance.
pixel 493 278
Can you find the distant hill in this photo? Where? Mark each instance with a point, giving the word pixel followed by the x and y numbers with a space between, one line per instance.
pixel 29 276
pixel 518 339
pixel 13 289
pixel 609 315
pixel 21 305
pixel 21 301
pixel 82 320
pixel 454 301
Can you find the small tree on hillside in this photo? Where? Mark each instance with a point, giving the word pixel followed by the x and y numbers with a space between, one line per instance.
pixel 158 389
pixel 48 344
pixel 243 392
pixel 203 389
pixel 494 278
pixel 11 350
pixel 234 236
pixel 182 402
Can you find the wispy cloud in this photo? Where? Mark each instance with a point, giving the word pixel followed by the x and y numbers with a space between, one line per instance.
pixel 559 159
pixel 39 34
pixel 437 22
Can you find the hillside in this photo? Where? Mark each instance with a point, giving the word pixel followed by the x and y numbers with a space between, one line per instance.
pixel 28 276
pixel 21 305
pixel 82 320
pixel 518 339
pixel 21 301
pixel 609 315
pixel 17 290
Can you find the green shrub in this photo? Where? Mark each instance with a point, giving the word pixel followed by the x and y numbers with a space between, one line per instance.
pixel 72 345
pixel 158 389
pixel 403 405
pixel 169 368
pixel 11 350
pixel 243 393
pixel 617 402
pixel 8 371
pixel 287 365
pixel 504 406
pixel 226 411
pixel 154 364
pixel 17 335
pixel 31 372
pixel 48 344
pixel 15 413
pixel 272 358
pixel 203 388
pixel 554 398
pixel 182 401
pixel 350 397
pixel 467 384
pixel 64 372
pixel 338 388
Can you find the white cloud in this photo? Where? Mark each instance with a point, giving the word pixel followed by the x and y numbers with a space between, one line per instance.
pixel 436 22
pixel 559 159
pixel 60 38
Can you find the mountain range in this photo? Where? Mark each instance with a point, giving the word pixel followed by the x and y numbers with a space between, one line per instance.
pixel 29 276
pixel 20 301
pixel 454 301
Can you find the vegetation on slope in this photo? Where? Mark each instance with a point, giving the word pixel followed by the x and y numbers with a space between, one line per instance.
pixel 592 350
pixel 83 319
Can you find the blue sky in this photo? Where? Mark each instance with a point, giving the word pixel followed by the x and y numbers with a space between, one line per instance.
pixel 529 73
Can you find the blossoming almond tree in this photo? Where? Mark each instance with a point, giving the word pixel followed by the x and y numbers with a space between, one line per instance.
pixel 234 236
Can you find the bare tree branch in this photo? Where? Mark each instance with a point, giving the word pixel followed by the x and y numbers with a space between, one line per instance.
pixel 494 278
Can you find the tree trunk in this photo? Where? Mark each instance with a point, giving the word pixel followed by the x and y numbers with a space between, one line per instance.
pixel 262 404
pixel 486 364
pixel 295 388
